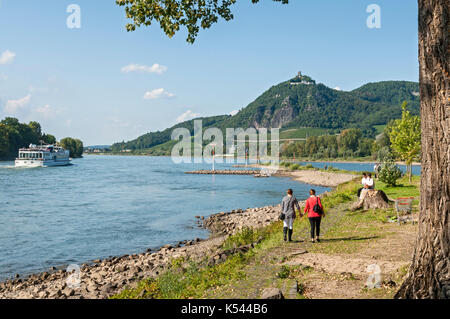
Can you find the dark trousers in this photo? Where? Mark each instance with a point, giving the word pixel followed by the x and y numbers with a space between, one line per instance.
pixel 315 226
pixel 359 191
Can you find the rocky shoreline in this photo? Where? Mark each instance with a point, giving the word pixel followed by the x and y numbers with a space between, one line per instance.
pixel 102 279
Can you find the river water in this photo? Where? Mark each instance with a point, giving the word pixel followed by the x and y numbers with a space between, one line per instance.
pixel 113 205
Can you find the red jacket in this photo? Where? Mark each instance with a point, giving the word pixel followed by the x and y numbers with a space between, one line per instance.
pixel 310 202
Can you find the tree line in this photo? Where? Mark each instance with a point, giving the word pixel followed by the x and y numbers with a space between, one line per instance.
pixel 349 143
pixel 400 140
pixel 15 135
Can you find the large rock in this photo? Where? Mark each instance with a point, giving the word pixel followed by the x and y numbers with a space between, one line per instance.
pixel 372 199
pixel 272 293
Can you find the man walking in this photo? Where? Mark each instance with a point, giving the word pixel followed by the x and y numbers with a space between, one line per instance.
pixel 288 206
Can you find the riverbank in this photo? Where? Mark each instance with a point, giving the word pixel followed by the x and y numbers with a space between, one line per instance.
pixel 101 279
pixel 256 262
pixel 104 278
pixel 308 175
pixel 316 177
pixel 231 245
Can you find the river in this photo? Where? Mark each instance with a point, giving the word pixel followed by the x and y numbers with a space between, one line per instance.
pixel 105 206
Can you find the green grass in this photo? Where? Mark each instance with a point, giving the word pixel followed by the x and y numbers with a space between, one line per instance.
pixel 303 132
pixel 403 188
pixel 188 282
pixel 379 128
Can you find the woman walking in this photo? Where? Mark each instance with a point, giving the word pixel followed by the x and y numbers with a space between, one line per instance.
pixel 288 205
pixel 315 212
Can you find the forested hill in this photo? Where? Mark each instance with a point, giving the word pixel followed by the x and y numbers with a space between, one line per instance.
pixel 156 138
pixel 300 102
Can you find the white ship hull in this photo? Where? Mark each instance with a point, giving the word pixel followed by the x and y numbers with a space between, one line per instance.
pixel 38 163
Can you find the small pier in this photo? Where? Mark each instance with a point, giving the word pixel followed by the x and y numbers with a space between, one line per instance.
pixel 226 172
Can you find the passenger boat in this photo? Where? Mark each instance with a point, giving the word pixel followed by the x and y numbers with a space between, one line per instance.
pixel 43 156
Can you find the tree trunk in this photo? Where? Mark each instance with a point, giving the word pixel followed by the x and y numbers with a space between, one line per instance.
pixel 410 172
pixel 428 276
pixel 371 199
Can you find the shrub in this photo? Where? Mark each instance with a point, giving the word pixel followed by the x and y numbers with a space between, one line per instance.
pixel 285 272
pixel 295 166
pixel 389 173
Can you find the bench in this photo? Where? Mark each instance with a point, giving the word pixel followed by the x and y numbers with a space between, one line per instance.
pixel 403 204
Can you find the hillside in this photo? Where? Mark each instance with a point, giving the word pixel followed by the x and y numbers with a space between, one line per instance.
pixel 300 102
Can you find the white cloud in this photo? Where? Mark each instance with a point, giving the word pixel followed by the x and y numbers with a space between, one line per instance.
pixel 12 106
pixel 155 68
pixel 7 57
pixel 157 94
pixel 337 88
pixel 186 116
pixel 47 111
pixel 233 113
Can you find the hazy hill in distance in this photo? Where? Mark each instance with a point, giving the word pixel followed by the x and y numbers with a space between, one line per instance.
pixel 300 102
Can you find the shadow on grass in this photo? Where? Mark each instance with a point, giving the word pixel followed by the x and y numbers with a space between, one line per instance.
pixel 353 238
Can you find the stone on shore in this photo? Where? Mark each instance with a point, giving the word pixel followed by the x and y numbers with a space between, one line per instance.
pixel 272 293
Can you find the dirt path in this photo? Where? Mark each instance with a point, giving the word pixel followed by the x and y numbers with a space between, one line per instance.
pixel 335 268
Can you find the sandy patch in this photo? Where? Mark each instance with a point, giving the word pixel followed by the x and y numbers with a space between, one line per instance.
pixel 338 264
pixel 319 178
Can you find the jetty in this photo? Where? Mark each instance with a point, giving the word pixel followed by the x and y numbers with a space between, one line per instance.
pixel 226 172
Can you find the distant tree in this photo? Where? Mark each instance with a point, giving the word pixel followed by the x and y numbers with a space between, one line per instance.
pixel 384 155
pixel 36 131
pixel 365 147
pixel 405 137
pixel 48 139
pixel 18 135
pixel 349 140
pixel 4 141
pixel 75 146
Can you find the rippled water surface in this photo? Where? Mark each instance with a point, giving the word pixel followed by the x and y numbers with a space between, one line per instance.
pixel 109 205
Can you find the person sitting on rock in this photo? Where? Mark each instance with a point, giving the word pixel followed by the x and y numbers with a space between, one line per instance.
pixel 288 206
pixel 363 183
pixel 369 184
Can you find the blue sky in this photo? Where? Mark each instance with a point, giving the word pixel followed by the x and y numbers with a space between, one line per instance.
pixel 103 84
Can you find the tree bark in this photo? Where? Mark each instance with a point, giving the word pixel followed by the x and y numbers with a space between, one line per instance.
pixel 428 276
